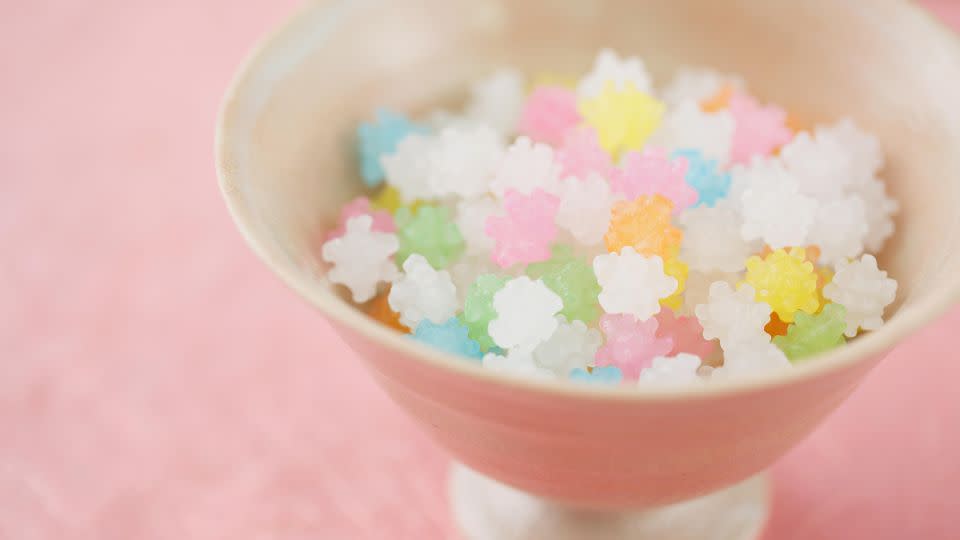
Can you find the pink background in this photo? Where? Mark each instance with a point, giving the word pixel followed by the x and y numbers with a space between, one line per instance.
pixel 157 382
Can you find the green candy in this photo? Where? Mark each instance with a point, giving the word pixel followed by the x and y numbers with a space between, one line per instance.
pixel 478 308
pixel 428 231
pixel 573 280
pixel 813 334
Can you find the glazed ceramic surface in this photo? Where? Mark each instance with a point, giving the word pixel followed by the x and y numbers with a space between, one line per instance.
pixel 285 160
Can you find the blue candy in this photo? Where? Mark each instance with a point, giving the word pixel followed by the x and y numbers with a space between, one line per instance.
pixel 450 336
pixel 705 176
pixel 600 375
pixel 380 137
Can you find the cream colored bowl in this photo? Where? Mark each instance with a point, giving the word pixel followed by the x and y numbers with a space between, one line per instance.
pixel 285 163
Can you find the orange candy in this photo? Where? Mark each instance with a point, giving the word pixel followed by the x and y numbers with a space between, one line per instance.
pixel 644 224
pixel 380 310
pixel 776 327
pixel 719 100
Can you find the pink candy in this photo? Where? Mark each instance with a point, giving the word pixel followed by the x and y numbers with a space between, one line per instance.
pixel 652 171
pixel 687 335
pixel 631 345
pixel 759 130
pixel 382 220
pixel 580 154
pixel 548 114
pixel 524 235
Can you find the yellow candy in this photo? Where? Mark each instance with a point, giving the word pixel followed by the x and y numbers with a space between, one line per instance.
pixel 624 119
pixel 679 270
pixel 550 78
pixel 786 281
pixel 388 198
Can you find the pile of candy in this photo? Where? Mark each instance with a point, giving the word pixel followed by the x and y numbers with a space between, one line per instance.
pixel 625 234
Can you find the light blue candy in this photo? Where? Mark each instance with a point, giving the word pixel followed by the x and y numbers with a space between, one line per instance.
pixel 600 375
pixel 380 137
pixel 450 336
pixel 705 176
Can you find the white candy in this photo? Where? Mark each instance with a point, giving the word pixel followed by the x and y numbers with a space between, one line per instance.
pixel 609 67
pixel 462 161
pixel 571 346
pixel 864 290
pixel 880 209
pixel 734 317
pixel 408 167
pixel 525 167
pixel 423 293
pixel 676 370
pixel 697 290
pixel 687 126
pixel 866 157
pixel 361 258
pixel 747 361
pixel 525 314
pixel 773 208
pixel 585 208
pixel 839 229
pixel 471 218
pixel 697 84
pixel 712 239
pixel 632 283
pixel 497 101
pixel 822 167
pixel 517 363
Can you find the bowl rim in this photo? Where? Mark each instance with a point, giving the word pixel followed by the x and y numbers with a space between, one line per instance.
pixel 323 18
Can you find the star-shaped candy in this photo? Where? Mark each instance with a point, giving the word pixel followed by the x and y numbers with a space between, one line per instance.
pixel 524 235
pixel 759 130
pixel 653 172
pixel 361 258
pixel 631 345
pixel 632 283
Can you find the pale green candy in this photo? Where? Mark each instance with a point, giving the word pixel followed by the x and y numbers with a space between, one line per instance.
pixel 574 282
pixel 428 231
pixel 478 307
pixel 814 334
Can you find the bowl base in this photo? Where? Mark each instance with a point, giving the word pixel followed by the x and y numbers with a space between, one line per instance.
pixel 484 509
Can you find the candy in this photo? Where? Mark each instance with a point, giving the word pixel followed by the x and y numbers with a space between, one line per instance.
pixel 526 167
pixel 643 224
pixel 687 334
pixel 773 208
pixel 839 229
pixel 451 337
pixel 653 172
pixel 631 345
pixel 676 370
pixel 687 126
pixel 678 270
pixel 361 258
pixel 581 154
pixel 462 161
pixel 573 281
pixel 585 207
pixel 750 361
pixel 864 290
pixel 524 235
pixel 598 375
pixel 880 209
pixel 610 69
pixel 712 240
pixel 548 114
pixel 525 314
pixel 380 310
pixel 466 271
pixel 705 176
pixel 759 130
pixel 698 84
pixel 429 232
pixel 471 219
pixel 785 281
pixel 423 293
pixel 632 283
pixel 698 288
pixel 378 138
pixel 776 327
pixel 734 317
pixel 478 308
pixel 382 221
pixel 497 100
pixel 863 149
pixel 388 198
pixel 624 118
pixel 822 166
pixel 516 363
pixel 814 334
pixel 572 345
pixel 408 167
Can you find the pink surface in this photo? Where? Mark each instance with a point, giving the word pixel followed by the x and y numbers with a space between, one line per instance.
pixel 156 382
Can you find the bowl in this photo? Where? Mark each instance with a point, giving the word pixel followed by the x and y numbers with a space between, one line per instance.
pixel 285 162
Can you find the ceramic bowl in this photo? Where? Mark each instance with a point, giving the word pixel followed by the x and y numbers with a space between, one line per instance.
pixel 286 164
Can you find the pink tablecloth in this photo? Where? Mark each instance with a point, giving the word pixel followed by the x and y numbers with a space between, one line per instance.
pixel 156 382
